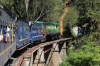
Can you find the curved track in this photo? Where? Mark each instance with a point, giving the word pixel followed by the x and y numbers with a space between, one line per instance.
pixel 28 54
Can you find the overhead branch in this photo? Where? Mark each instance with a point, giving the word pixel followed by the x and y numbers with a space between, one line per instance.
pixel 42 15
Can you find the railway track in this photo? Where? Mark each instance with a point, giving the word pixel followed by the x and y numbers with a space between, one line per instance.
pixel 18 53
pixel 26 56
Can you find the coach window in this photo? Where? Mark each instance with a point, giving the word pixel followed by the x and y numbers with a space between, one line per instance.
pixel 9 31
pixel 0 13
pixel 0 30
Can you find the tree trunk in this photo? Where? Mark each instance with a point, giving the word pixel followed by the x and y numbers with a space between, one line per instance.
pixel 26 4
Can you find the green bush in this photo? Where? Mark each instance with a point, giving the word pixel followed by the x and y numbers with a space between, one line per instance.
pixel 87 55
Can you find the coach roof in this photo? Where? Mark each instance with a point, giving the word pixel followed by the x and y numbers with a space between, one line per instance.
pixel 7 11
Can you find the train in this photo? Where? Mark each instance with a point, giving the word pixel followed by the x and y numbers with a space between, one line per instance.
pixel 30 32
pixel 16 33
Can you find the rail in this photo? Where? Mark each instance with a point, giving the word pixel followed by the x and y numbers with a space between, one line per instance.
pixel 28 55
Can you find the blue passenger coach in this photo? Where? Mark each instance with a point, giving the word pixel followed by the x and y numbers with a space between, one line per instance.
pixel 8 43
pixel 23 33
pixel 36 32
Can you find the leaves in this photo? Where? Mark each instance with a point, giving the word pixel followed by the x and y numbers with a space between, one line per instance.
pixel 88 55
pixel 87 16
pixel 71 17
pixel 44 10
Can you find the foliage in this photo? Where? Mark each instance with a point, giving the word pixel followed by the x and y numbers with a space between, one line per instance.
pixel 87 55
pixel 71 17
pixel 71 20
pixel 86 15
pixel 44 10
pixel 89 13
pixel 16 6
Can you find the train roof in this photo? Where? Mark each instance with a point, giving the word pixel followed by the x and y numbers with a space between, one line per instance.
pixel 43 22
pixel 12 15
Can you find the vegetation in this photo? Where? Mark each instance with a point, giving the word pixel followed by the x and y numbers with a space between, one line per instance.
pixel 44 10
pixel 83 51
pixel 82 13
pixel 86 15
pixel 71 20
pixel 87 55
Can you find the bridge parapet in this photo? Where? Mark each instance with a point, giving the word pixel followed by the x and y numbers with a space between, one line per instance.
pixel 42 59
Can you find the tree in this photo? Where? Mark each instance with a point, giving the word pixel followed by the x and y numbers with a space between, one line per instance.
pixel 70 21
pixel 27 4
pixel 87 16
pixel 87 55
pixel 44 10
pixel 86 49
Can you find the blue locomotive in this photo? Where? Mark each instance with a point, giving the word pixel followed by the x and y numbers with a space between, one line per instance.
pixel 16 33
